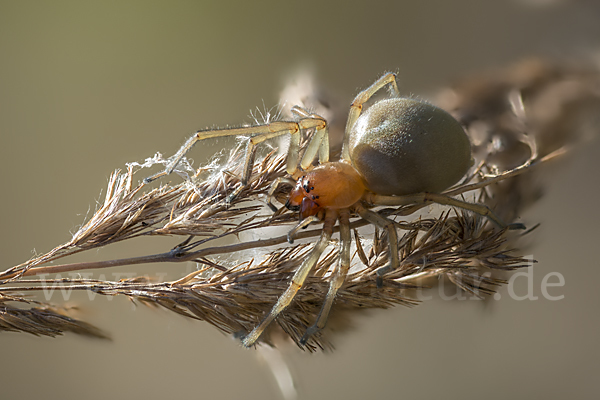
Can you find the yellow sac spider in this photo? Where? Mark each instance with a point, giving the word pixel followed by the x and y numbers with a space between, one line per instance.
pixel 399 151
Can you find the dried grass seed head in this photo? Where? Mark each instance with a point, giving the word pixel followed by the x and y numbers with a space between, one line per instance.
pixel 458 246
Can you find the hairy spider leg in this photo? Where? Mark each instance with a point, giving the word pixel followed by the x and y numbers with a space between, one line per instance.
pixel 392 234
pixel 297 280
pixel 257 134
pixel 319 141
pixel 338 278
pixel 422 198
pixel 360 99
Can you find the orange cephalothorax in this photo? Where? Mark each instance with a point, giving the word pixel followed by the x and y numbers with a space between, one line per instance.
pixel 332 185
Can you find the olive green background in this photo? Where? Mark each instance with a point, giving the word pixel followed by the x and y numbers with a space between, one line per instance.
pixel 87 86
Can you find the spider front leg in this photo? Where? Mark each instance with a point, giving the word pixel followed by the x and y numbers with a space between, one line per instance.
pixel 338 278
pixel 257 134
pixel 319 141
pixel 297 280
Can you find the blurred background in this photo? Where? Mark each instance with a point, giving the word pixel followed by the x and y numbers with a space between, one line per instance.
pixel 86 87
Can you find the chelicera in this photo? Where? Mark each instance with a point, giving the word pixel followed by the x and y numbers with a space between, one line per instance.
pixel 399 151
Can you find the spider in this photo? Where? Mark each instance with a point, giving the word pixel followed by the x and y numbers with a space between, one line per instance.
pixel 399 151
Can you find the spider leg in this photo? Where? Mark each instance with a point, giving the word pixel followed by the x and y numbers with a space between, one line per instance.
pixel 297 280
pixel 257 134
pixel 319 141
pixel 389 226
pixel 339 275
pixel 420 198
pixel 362 98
